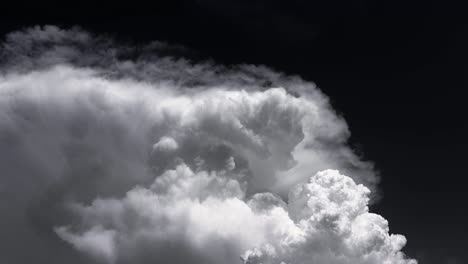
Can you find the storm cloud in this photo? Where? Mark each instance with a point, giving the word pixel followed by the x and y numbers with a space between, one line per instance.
pixel 118 153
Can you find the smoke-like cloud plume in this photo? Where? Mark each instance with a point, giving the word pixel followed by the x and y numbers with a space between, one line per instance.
pixel 112 153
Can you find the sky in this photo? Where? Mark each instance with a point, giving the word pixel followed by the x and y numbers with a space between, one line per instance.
pixel 388 80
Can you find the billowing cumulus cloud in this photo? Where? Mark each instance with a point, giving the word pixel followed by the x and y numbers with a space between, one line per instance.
pixel 119 154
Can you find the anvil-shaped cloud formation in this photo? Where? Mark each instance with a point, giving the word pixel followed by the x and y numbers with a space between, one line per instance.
pixel 120 154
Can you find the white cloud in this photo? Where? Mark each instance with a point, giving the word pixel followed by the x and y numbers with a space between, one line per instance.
pixel 165 144
pixel 325 221
pixel 97 242
pixel 336 227
pixel 160 159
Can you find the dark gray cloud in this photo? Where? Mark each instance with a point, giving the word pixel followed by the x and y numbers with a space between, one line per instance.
pixel 119 154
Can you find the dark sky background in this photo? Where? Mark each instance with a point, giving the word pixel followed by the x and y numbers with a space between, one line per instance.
pixel 395 70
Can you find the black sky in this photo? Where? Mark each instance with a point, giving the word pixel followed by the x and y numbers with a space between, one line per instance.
pixel 395 70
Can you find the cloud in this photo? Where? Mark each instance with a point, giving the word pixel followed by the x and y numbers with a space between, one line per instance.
pixel 334 226
pixel 165 144
pixel 206 216
pixel 119 154
pixel 97 242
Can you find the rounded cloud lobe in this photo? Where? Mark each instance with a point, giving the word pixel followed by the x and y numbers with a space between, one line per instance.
pixel 119 154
